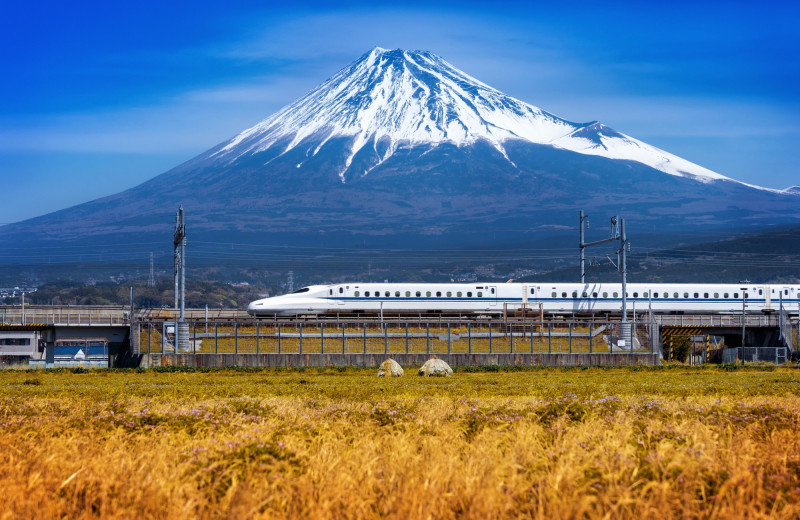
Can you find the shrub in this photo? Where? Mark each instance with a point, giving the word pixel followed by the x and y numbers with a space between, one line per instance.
pixel 681 345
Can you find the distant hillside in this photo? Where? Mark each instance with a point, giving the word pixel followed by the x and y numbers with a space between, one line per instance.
pixel 198 295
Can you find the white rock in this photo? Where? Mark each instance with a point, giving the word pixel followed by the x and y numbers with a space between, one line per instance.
pixel 435 367
pixel 390 368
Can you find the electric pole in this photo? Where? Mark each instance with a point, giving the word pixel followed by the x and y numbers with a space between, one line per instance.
pixel 151 282
pixel 179 245
pixel 583 246
pixel 623 267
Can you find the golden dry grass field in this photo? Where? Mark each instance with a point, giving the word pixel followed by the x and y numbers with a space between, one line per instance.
pixel 548 443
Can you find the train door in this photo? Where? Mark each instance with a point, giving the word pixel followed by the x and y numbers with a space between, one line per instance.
pixel 492 295
pixel 340 299
pixel 767 298
pixel 783 298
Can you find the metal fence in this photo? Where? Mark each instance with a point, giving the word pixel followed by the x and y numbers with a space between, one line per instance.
pixel 321 337
pixel 777 355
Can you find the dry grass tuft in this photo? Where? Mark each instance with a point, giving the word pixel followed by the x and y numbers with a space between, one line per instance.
pixel 543 444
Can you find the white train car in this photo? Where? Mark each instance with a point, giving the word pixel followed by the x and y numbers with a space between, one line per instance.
pixel 557 298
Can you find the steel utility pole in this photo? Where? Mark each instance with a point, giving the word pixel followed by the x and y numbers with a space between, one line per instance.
pixel 151 282
pixel 744 302
pixel 583 247
pixel 179 245
pixel 623 266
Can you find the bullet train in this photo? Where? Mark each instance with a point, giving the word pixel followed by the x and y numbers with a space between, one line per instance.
pixel 554 298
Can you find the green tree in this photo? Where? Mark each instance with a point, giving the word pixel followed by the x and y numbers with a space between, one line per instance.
pixel 681 345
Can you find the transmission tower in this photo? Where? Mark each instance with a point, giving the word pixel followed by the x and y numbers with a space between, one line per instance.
pixel 151 282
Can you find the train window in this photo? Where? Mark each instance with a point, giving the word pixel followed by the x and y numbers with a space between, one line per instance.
pixel 716 295
pixel 341 290
pixel 480 294
pixel 761 291
pixel 616 294
pixel 408 294
pixel 746 295
pixel 646 294
pixel 330 292
pixel 594 295
pixel 419 294
pixel 605 294
pixel 584 294
pixel 786 291
pixel 469 294
pixel 574 294
pixel 386 294
pixel 555 295
pixel 428 294
pixel 358 293
pixel 492 290
pixel 397 294
pixel 655 295
pixel 377 294
pixel 366 293
pixel 636 295
pixel 458 294
pixel 438 294
pixel 705 295
pixel 304 289
pixel 564 294
pixel 696 295
pixel 725 295
pixel 531 290
pixel 736 295
pixel 449 294
pixel 674 295
pixel 686 295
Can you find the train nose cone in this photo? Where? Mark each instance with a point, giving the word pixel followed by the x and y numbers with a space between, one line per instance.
pixel 251 308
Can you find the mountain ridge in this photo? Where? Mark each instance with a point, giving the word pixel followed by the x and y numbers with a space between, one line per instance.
pixel 391 98
pixel 305 183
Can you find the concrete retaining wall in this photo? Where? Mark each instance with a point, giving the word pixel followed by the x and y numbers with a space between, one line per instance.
pixel 405 360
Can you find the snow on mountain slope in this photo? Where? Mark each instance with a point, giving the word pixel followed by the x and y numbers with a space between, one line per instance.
pixel 392 98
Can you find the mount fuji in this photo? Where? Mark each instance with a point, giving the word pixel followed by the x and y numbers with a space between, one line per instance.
pixel 402 149
pixel 392 99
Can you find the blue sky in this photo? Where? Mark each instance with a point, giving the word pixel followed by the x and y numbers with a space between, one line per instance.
pixel 98 97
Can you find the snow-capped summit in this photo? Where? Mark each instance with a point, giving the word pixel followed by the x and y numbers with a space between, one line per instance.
pixel 401 150
pixel 397 98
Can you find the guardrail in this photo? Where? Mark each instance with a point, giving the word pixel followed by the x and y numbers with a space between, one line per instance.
pixel 64 315
pixel 717 320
